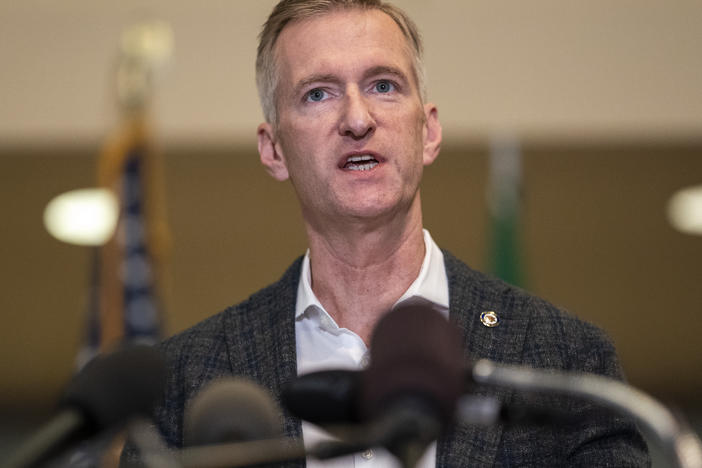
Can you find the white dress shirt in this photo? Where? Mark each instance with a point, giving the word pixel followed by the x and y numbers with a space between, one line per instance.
pixel 322 344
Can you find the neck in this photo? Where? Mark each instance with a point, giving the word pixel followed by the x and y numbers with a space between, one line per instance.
pixel 359 271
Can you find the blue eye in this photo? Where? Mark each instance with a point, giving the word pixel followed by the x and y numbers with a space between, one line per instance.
pixel 384 86
pixel 316 95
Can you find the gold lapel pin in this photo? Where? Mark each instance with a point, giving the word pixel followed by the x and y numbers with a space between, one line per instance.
pixel 489 319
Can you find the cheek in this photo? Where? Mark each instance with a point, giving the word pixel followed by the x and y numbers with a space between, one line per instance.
pixel 307 131
pixel 300 149
pixel 410 128
pixel 294 139
pixel 411 117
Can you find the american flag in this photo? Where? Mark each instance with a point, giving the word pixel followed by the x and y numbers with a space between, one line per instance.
pixel 124 304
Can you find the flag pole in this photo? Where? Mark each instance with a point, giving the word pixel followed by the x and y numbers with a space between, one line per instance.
pixel 128 270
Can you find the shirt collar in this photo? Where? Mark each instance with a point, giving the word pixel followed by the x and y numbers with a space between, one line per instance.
pixel 431 285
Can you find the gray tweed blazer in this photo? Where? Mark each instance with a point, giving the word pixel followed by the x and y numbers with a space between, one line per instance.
pixel 256 339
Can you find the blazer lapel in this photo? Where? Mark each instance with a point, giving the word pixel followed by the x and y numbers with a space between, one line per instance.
pixel 261 339
pixel 471 294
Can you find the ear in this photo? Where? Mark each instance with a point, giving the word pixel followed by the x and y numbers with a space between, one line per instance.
pixel 432 133
pixel 270 153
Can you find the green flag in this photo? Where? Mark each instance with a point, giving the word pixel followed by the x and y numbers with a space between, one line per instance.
pixel 504 201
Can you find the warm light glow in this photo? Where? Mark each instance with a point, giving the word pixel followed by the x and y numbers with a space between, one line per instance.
pixel 150 41
pixel 685 210
pixel 83 217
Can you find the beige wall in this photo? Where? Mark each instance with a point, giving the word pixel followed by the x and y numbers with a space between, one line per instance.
pixel 541 68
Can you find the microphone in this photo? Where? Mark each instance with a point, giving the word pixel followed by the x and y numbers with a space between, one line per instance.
pixel 231 410
pixel 324 397
pixel 235 422
pixel 404 398
pixel 415 377
pixel 330 397
pixel 105 393
pixel 680 443
pixel 488 411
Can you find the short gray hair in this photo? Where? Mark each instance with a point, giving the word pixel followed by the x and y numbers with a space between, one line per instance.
pixel 287 11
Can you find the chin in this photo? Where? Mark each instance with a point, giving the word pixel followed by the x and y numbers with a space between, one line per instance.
pixel 374 211
pixel 373 205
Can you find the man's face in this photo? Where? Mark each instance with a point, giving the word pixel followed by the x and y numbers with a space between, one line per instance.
pixel 352 133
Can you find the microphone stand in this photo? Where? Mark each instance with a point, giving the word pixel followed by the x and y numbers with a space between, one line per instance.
pixel 242 453
pixel 406 437
pixel 39 447
pixel 680 443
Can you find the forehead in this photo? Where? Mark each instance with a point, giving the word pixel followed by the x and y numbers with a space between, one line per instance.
pixel 341 41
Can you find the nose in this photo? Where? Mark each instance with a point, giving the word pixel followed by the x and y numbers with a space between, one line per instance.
pixel 356 120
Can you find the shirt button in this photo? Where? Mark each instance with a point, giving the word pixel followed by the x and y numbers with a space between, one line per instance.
pixel 368 454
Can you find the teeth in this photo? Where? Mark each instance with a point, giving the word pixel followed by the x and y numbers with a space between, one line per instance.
pixel 359 158
pixel 361 162
pixel 363 167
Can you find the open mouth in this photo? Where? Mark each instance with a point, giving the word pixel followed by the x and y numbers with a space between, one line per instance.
pixel 363 162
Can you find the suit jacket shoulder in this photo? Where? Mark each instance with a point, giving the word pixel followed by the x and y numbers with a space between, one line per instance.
pixel 254 339
pixel 534 333
pixel 531 331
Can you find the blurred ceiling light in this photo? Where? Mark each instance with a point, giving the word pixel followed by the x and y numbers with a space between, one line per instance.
pixel 685 210
pixel 83 217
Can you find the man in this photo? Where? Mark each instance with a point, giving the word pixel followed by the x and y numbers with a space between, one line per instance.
pixel 347 121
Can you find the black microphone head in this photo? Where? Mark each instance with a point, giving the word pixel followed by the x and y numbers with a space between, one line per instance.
pixel 231 410
pixel 415 353
pixel 116 386
pixel 324 397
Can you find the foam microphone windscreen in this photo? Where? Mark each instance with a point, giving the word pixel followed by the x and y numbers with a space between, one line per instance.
pixel 231 410
pixel 415 352
pixel 112 387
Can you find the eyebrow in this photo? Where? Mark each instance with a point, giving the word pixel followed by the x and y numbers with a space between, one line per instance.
pixel 385 70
